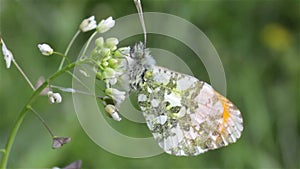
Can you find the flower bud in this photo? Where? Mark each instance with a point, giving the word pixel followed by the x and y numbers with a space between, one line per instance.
pixel 8 56
pixel 99 42
pixel 105 25
pixel 113 63
pixel 124 51
pixel 45 49
pixel 88 24
pixel 112 43
pixel 54 97
pixel 112 111
pixel 116 95
pixel 109 73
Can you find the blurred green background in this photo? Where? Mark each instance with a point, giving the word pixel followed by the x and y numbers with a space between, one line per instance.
pixel 258 43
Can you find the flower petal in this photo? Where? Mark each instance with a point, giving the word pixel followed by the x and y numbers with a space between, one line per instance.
pixel 105 25
pixel 88 24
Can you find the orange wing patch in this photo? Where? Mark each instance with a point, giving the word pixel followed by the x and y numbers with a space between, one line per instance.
pixel 226 115
pixel 231 126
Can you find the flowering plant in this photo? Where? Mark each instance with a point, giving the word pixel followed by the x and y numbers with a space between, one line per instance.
pixel 107 60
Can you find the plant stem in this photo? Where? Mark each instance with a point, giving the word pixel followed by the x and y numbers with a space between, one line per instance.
pixel 87 43
pixel 76 78
pixel 24 110
pixel 62 55
pixel 67 50
pixel 42 120
pixel 23 74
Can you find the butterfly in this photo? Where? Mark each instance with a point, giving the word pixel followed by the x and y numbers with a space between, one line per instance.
pixel 186 116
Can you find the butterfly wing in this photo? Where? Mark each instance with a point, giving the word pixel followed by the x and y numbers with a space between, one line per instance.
pixel 187 116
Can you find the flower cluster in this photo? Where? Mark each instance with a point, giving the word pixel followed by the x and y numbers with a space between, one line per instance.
pixel 110 67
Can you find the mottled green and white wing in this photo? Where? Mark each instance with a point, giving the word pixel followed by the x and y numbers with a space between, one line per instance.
pixel 187 116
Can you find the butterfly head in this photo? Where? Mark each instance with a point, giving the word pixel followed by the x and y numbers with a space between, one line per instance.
pixel 139 61
pixel 142 55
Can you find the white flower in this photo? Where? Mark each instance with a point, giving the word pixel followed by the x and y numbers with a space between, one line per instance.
pixel 112 43
pixel 105 52
pixel 112 111
pixel 125 50
pixel 99 42
pixel 8 57
pixel 88 24
pixel 111 81
pixel 54 97
pixel 117 95
pixel 45 49
pixel 109 73
pixel 105 25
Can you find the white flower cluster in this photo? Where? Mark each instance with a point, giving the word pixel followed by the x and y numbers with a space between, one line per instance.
pixel 110 67
pixel 110 63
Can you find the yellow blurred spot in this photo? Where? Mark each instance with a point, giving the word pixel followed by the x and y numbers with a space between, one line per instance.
pixel 276 37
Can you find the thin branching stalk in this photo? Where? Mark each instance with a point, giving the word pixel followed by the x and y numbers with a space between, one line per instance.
pixel 88 42
pixel 43 121
pixel 62 55
pixel 24 111
pixel 23 74
pixel 67 50
pixel 78 80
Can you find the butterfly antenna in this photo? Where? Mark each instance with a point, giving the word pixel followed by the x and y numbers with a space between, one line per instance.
pixel 140 12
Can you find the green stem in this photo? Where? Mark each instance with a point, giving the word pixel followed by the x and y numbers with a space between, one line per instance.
pixel 24 110
pixel 88 42
pixel 63 55
pixel 23 74
pixel 42 120
pixel 76 78
pixel 67 50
